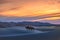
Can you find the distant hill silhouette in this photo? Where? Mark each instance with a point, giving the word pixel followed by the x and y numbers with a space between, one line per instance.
pixel 12 24
pixel 35 23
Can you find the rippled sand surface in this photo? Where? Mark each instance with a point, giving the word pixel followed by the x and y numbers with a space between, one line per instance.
pixel 20 33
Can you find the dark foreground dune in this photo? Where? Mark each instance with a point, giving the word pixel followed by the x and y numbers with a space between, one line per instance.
pixel 54 35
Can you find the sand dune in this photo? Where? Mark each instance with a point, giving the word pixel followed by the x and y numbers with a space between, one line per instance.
pixel 53 35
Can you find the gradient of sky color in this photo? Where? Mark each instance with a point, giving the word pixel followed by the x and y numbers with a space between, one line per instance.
pixel 30 10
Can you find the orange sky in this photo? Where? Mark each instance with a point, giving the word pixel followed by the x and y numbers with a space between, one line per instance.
pixel 30 8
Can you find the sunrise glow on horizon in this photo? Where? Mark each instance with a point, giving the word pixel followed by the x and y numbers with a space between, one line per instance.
pixel 30 8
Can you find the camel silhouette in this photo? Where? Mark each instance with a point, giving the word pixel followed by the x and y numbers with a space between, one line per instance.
pixel 29 27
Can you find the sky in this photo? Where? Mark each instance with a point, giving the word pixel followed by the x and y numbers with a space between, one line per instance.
pixel 30 10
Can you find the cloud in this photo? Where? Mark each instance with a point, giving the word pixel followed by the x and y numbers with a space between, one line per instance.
pixel 46 16
pixel 2 1
pixel 29 9
pixel 53 15
pixel 49 15
pixel 9 5
pixel 51 18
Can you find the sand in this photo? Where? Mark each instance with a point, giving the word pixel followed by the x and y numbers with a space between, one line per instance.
pixel 53 35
